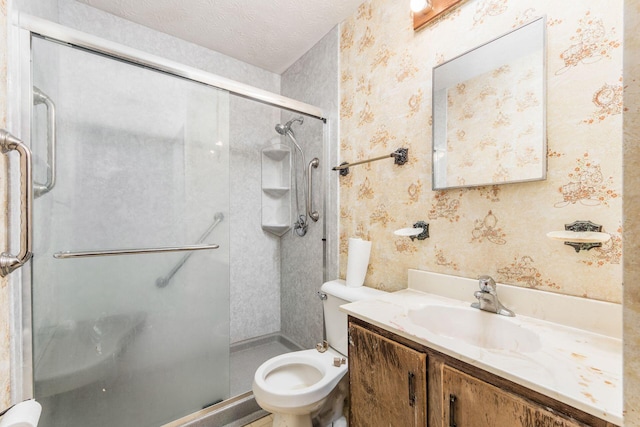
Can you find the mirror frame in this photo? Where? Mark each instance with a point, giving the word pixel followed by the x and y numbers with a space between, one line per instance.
pixel 439 136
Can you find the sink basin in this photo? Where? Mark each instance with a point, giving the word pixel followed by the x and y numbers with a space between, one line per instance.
pixel 476 327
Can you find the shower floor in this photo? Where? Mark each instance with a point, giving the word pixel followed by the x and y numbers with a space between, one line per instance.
pixel 247 356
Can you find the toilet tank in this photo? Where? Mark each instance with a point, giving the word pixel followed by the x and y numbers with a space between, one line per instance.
pixel 335 321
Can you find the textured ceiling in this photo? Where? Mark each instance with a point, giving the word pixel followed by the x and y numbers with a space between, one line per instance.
pixel 271 34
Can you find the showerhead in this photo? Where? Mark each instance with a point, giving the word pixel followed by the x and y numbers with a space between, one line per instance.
pixel 283 129
pixel 300 226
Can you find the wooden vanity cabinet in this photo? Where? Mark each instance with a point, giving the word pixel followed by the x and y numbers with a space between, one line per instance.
pixel 468 401
pixel 387 381
pixel 448 392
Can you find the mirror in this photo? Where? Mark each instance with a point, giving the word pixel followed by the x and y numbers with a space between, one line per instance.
pixel 489 112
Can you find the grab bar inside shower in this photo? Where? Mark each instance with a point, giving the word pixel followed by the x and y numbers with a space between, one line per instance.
pixel 163 281
pixel 314 215
pixel 39 97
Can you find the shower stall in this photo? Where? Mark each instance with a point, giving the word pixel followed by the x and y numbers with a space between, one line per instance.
pixel 153 293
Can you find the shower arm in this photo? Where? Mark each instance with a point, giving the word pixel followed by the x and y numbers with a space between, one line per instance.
pixel 163 281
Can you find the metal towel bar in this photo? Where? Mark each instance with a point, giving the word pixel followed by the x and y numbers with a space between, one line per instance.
pixel 8 262
pixel 115 252
pixel 401 156
pixel 164 280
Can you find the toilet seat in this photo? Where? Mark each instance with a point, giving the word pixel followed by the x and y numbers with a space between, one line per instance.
pixel 297 379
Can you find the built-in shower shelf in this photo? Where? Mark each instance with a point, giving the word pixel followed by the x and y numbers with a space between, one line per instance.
pixel 277 154
pixel 276 188
pixel 278 230
pixel 276 191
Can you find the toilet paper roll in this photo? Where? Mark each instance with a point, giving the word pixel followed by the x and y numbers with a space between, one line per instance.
pixel 24 414
pixel 357 261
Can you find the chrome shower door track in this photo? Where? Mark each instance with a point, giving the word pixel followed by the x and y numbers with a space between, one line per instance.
pixel 235 412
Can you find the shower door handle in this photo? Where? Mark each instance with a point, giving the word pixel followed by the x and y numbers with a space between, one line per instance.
pixel 39 97
pixel 8 262
pixel 314 215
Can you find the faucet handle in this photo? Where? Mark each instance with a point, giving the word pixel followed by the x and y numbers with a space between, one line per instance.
pixel 487 284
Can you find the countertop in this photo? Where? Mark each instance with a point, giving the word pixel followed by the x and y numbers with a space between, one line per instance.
pixel 575 366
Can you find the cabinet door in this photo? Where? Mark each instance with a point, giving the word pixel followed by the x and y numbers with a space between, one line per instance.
pixel 387 381
pixel 469 402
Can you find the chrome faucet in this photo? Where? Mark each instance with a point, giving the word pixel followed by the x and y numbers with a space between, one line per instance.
pixel 488 297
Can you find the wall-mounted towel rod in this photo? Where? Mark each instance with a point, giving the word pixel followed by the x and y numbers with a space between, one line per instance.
pixel 401 156
pixel 164 280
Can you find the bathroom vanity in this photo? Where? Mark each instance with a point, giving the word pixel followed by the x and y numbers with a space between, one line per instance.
pixel 462 367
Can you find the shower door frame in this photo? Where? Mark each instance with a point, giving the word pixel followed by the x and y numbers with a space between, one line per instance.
pixel 19 113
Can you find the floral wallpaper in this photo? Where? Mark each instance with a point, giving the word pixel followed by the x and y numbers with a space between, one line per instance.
pixel 494 115
pixel 385 104
pixel 631 208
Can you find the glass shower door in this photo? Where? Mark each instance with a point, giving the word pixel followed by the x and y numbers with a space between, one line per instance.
pixel 141 162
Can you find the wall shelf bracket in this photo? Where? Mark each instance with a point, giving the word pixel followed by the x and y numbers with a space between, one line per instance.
pixel 425 230
pixel 582 227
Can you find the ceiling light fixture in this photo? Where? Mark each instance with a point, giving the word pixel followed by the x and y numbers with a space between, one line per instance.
pixel 425 11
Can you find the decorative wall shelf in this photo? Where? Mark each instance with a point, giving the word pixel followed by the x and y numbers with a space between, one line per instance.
pixel 276 189
pixel 581 235
pixel 420 231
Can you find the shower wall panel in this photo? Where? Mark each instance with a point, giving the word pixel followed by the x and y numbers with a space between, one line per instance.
pixel 312 79
pixel 82 17
pixel 47 9
pixel 255 254
pixel 94 21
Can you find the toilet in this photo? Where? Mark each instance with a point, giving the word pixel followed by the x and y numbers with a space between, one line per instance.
pixel 296 386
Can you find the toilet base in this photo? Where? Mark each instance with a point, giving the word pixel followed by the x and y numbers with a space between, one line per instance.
pixel 291 420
